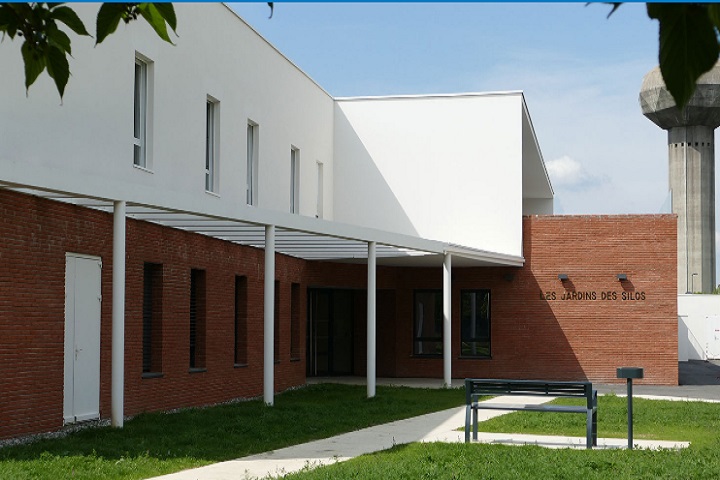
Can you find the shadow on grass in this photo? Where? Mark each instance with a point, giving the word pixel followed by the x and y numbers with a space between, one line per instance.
pixel 206 435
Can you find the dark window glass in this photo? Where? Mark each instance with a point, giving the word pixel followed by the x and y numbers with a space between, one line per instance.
pixel 475 323
pixel 428 322
pixel 197 319
pixel 152 318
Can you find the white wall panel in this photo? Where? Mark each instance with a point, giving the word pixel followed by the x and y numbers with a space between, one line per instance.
pixel 85 145
pixel 447 168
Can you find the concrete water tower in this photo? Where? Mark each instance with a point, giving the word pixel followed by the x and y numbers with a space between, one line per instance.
pixel 691 152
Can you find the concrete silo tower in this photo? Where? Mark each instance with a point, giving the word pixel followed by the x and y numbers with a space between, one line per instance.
pixel 691 148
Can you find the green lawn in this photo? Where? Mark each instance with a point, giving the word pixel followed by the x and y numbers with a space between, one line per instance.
pixel 694 421
pixel 157 443
pixel 439 461
pixel 697 422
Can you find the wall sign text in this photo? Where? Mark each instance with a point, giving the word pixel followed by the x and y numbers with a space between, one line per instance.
pixel 610 296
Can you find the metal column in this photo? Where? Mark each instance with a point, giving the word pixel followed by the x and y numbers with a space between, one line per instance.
pixel 118 317
pixel 447 320
pixel 371 321
pixel 269 318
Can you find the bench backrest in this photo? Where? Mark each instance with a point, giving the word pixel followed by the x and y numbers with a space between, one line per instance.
pixel 475 387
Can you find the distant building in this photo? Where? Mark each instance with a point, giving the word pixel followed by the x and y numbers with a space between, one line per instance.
pixel 202 222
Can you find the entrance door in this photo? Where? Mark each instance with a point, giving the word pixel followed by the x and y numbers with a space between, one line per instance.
pixel 330 332
pixel 81 399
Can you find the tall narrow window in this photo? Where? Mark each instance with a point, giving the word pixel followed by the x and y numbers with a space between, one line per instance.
pixel 277 321
pixel 240 320
pixel 152 319
pixel 428 324
pixel 295 321
pixel 197 319
pixel 211 144
pixel 140 116
pixel 252 163
pixel 320 190
pixel 294 180
pixel 475 323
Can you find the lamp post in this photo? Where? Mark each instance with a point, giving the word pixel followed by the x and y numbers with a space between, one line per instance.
pixel 629 373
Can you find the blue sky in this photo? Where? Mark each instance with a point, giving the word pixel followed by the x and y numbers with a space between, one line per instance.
pixel 581 73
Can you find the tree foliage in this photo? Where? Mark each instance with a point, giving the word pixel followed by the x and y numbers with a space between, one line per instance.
pixel 688 43
pixel 46 45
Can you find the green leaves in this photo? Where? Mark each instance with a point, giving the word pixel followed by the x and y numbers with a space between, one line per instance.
pixel 68 16
pixel 108 18
pixel 158 16
pixel 688 44
pixel 46 46
pixel 155 18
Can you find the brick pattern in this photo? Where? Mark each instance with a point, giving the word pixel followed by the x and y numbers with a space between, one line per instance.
pixel 584 337
pixel 532 337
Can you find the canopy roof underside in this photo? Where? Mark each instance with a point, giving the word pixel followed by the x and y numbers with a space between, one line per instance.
pixel 321 240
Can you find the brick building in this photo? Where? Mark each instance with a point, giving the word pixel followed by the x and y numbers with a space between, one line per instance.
pixel 262 232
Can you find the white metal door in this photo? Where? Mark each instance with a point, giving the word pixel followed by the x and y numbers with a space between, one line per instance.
pixel 82 338
pixel 712 349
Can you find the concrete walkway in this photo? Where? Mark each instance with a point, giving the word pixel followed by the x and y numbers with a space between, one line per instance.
pixel 434 427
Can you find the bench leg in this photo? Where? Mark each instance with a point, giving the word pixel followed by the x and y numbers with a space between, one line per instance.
pixel 475 423
pixel 594 428
pixel 589 430
pixel 467 423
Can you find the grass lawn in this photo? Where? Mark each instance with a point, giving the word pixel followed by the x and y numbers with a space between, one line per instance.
pixel 157 443
pixel 694 421
pixel 697 422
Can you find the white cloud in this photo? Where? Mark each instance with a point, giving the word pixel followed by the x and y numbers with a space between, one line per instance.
pixel 569 173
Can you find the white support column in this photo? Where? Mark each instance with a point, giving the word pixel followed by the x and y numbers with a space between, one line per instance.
pixel 447 320
pixel 371 327
pixel 269 345
pixel 117 393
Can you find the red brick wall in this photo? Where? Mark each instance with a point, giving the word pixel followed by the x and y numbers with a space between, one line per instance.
pixel 37 233
pixel 531 337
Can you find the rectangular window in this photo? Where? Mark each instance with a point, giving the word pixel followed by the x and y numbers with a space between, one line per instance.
pixel 240 320
pixel 320 190
pixel 294 180
pixel 475 323
pixel 152 318
pixel 140 114
pixel 295 321
pixel 277 321
pixel 197 319
pixel 252 163
pixel 428 322
pixel 211 145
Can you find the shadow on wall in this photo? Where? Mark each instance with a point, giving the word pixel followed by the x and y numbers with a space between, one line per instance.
pixel 529 341
pixel 362 196
pixel 526 332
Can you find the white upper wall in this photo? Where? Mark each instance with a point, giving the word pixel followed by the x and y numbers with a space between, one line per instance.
pixel 447 168
pixel 460 169
pixel 85 145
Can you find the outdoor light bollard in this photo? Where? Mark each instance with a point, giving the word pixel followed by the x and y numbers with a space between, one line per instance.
pixel 629 373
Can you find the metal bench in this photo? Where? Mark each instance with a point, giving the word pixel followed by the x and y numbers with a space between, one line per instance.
pixel 476 387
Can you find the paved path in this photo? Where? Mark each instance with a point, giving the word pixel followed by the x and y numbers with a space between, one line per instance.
pixel 434 427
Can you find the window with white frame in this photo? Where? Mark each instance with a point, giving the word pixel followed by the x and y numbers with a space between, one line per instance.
pixel 140 113
pixel 252 163
pixel 320 190
pixel 294 180
pixel 211 144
